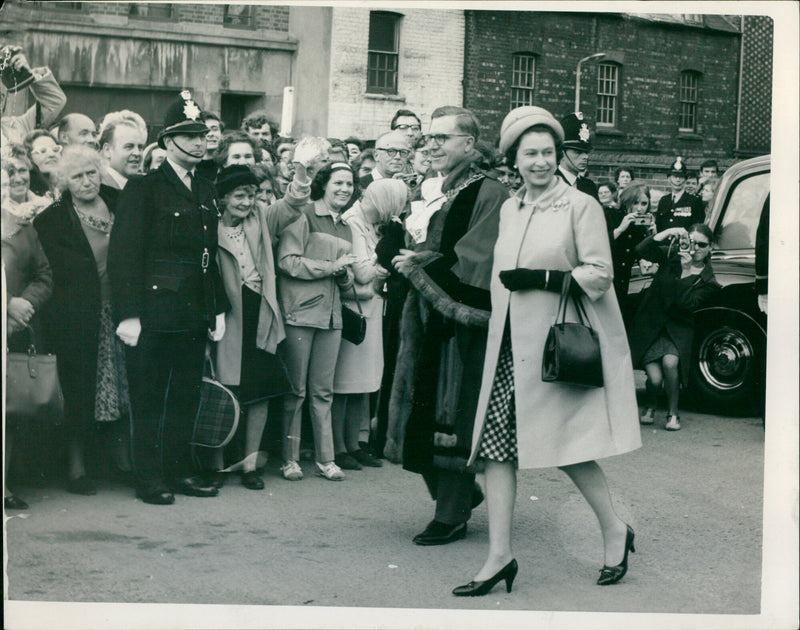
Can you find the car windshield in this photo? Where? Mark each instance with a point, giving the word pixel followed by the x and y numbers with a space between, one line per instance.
pixel 740 221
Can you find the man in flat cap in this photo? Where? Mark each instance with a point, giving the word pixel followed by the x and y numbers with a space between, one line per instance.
pixel 168 299
pixel 575 154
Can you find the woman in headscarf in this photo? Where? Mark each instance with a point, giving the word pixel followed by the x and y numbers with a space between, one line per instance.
pixel 359 367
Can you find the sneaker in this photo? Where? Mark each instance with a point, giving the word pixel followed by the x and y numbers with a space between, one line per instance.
pixel 673 423
pixel 346 461
pixel 649 416
pixel 330 471
pixel 291 470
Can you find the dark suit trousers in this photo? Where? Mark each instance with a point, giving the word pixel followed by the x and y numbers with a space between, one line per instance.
pixel 165 371
pixel 452 492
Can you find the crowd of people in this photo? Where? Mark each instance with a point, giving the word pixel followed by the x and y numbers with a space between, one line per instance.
pixel 139 264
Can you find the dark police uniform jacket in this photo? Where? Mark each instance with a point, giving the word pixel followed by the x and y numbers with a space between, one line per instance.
pixel 684 212
pixel 584 184
pixel 162 255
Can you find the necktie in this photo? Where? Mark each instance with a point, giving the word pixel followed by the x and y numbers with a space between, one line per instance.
pixel 189 180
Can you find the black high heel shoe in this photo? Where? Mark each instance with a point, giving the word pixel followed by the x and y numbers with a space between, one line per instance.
pixel 612 575
pixel 507 573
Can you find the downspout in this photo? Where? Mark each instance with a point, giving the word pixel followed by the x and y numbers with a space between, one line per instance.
pixel 739 97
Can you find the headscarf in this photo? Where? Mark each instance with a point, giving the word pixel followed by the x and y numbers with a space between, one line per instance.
pixel 388 196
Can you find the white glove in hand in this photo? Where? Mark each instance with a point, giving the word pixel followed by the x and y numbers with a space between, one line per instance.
pixel 219 328
pixel 129 331
pixel 309 149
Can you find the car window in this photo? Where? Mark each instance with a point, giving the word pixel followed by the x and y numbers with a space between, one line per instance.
pixel 740 221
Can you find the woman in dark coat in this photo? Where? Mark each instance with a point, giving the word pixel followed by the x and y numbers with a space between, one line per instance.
pixel 662 330
pixel 75 234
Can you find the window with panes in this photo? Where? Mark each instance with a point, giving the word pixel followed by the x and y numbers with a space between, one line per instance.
pixel 688 98
pixel 383 52
pixel 523 67
pixel 607 94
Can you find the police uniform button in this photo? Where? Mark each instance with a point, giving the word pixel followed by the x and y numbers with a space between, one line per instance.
pixel 155 287
pixel 177 214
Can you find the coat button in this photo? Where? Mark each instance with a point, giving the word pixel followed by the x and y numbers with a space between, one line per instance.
pixel 177 214
pixel 155 287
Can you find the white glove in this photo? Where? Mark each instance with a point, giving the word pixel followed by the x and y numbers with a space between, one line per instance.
pixel 219 328
pixel 129 331
pixel 309 149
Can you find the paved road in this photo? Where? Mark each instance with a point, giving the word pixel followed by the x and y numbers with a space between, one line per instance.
pixel 694 498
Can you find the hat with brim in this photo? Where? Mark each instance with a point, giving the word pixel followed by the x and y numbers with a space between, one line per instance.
pixel 233 176
pixel 679 168
pixel 577 133
pixel 183 118
pixel 518 120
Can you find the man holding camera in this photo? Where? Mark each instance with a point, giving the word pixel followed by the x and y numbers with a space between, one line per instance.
pixel 17 75
pixel 678 208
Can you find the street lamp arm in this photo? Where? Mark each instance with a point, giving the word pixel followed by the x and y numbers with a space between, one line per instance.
pixel 578 78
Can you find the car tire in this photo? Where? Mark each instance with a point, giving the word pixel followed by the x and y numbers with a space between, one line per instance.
pixel 728 368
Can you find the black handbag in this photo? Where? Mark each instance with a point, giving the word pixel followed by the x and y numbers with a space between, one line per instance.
pixel 572 349
pixel 354 325
pixel 33 391
pixel 218 413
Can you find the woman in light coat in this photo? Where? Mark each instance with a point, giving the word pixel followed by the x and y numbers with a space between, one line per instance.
pixel 549 230
pixel 359 368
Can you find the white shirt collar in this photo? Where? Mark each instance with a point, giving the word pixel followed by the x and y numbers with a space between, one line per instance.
pixel 117 177
pixel 181 173
pixel 376 174
pixel 570 177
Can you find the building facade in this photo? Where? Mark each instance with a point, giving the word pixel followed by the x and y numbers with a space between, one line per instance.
pixel 666 85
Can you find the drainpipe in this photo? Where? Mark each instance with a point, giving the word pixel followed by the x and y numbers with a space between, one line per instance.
pixel 739 97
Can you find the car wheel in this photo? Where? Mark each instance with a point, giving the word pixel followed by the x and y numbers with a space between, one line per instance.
pixel 728 364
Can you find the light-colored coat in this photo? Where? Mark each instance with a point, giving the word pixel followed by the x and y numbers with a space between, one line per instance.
pixel 359 369
pixel 270 330
pixel 559 424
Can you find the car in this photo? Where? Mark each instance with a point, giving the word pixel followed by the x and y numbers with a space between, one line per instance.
pixel 728 363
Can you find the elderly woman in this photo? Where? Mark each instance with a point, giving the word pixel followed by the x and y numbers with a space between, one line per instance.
pixel 75 233
pixel 359 367
pixel 45 153
pixel 236 147
pixel 28 283
pixel 549 232
pixel 314 261
pixel 246 356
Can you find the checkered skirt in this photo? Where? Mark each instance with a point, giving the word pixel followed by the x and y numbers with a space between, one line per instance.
pixel 499 440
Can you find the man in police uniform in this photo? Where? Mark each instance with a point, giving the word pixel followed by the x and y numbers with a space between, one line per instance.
pixel 575 154
pixel 678 208
pixel 168 298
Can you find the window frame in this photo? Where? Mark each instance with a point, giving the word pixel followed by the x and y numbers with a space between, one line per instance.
pixel 614 96
pixel 517 89
pixel 379 61
pixel 684 102
pixel 137 16
pixel 250 12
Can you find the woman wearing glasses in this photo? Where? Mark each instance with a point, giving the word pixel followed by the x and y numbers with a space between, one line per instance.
pixel 663 327
pixel 45 153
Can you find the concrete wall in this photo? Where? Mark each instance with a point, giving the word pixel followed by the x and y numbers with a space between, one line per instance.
pixel 311 69
pixel 430 69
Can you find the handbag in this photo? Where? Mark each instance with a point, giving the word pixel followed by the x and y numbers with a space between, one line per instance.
pixel 572 349
pixel 33 390
pixel 218 413
pixel 354 325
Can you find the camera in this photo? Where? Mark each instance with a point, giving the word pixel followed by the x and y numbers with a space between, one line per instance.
pixel 684 243
pixel 13 80
pixel 642 219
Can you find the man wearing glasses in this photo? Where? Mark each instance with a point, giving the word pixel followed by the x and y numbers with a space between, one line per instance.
pixel 392 151
pixel 450 272
pixel 407 122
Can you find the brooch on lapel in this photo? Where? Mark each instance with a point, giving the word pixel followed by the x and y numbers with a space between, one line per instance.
pixel 561 204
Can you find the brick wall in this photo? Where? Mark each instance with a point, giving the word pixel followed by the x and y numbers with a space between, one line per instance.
pixel 430 69
pixel 651 56
pixel 756 118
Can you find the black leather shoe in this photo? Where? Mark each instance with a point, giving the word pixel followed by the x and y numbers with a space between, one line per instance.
pixel 81 485
pixel 14 503
pixel 213 479
pixel 156 496
pixel 437 533
pixel 252 480
pixel 612 575
pixel 193 487
pixel 474 589
pixel 346 461
pixel 365 458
